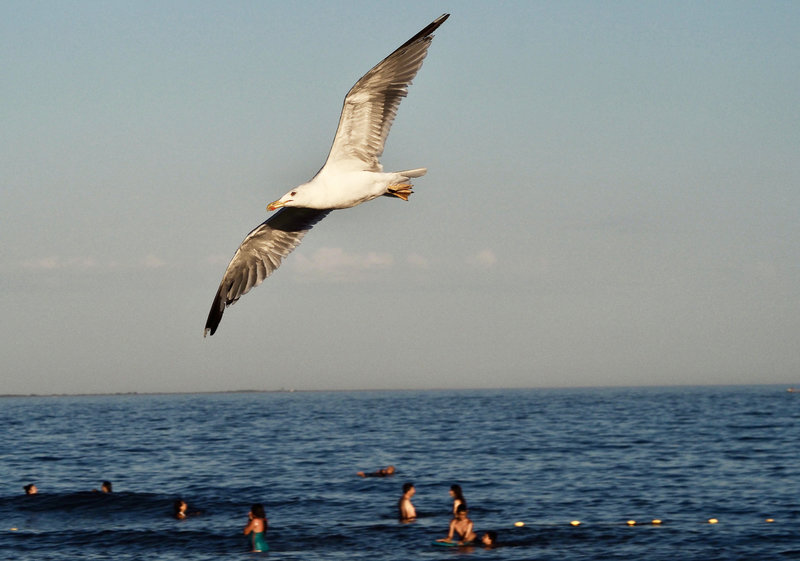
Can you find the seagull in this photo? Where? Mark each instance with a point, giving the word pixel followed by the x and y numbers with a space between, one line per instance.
pixel 352 174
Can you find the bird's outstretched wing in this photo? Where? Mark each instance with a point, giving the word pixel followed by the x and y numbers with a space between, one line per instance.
pixel 371 104
pixel 369 109
pixel 259 255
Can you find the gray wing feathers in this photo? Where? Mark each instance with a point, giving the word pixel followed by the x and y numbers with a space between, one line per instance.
pixel 259 255
pixel 261 252
pixel 371 104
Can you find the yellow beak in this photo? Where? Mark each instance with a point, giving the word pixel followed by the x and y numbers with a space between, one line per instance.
pixel 274 205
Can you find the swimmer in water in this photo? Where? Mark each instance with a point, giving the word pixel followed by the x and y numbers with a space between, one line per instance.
pixel 489 539
pixel 30 489
pixel 105 487
pixel 458 497
pixel 258 527
pixel 179 509
pixel 407 510
pixel 383 472
pixel 462 526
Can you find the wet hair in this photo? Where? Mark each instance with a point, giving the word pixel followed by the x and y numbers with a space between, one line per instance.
pixel 106 486
pixel 461 508
pixel 258 511
pixel 492 536
pixel 456 489
pixel 407 486
pixel 28 488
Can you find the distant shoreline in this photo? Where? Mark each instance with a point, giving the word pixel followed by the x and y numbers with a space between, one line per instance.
pixel 789 388
pixel 123 394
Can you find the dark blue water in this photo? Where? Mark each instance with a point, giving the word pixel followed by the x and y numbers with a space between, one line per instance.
pixel 543 457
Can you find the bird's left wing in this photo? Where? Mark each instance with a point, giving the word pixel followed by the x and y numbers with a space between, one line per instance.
pixel 371 104
pixel 259 255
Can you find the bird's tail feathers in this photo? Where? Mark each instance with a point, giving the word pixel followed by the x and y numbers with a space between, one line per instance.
pixel 419 172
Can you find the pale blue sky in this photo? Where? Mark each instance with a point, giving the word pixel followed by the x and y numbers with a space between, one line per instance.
pixel 613 196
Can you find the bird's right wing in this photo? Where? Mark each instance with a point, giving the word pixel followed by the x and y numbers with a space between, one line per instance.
pixel 259 255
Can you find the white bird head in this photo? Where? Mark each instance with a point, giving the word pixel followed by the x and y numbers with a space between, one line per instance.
pixel 292 198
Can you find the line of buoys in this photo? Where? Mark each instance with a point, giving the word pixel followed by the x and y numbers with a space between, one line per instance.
pixel 630 522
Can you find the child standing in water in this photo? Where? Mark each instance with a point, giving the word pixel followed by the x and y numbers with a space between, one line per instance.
pixel 258 527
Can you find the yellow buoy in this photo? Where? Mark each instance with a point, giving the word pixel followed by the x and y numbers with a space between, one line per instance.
pixel 631 522
pixel 575 523
pixel 770 520
pixel 519 524
pixel 656 521
pixel 13 529
pixel 712 520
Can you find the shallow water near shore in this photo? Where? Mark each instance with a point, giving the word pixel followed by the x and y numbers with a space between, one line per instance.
pixel 542 457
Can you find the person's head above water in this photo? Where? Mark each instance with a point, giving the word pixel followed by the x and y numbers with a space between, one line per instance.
pixel 257 510
pixel 179 508
pixel 30 489
pixel 388 470
pixel 489 538
pixel 461 510
pixel 408 487
pixel 105 487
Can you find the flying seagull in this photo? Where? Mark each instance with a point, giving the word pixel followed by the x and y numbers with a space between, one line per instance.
pixel 351 175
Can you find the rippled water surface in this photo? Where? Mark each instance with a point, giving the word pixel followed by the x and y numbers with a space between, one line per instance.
pixel 542 457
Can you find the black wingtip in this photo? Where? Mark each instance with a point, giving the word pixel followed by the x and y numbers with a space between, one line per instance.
pixel 431 27
pixel 427 30
pixel 214 315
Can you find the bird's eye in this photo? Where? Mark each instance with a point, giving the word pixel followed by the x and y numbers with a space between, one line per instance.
pixel 293 193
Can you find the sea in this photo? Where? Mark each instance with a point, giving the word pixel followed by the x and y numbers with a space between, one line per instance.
pixel 678 473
